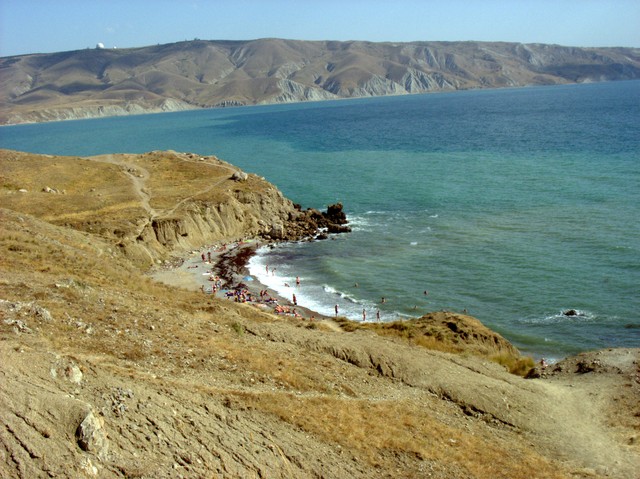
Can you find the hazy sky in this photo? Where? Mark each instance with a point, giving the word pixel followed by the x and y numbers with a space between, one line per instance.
pixel 36 26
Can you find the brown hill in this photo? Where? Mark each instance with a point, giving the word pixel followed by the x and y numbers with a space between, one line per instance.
pixel 195 74
pixel 107 373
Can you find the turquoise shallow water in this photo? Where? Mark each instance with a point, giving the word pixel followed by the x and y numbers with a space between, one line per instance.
pixel 512 204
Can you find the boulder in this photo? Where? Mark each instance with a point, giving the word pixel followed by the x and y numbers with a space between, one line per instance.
pixel 335 214
pixel 239 176
pixel 338 228
pixel 277 231
pixel 91 435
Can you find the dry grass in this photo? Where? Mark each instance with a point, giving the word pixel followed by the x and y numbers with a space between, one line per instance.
pixel 373 428
pixel 433 332
pixel 515 365
pixel 75 179
pixel 280 370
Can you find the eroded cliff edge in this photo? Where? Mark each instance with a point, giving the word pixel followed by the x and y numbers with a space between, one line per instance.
pixel 159 204
pixel 105 373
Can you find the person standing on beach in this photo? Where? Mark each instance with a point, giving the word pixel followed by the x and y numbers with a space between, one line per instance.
pixel 364 314
pixel 295 300
pixel 378 315
pixel 209 256
pixel 336 310
pixel 202 255
pixel 297 280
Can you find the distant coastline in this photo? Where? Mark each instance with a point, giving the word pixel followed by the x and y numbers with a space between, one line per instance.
pixel 105 82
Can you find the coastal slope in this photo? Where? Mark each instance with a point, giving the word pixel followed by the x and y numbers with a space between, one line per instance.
pixel 204 74
pixel 107 373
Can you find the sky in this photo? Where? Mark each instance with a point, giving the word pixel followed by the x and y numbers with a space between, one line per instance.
pixel 43 26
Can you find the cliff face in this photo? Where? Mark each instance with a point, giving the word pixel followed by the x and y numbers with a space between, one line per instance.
pixel 197 74
pixel 135 209
pixel 158 204
pixel 238 215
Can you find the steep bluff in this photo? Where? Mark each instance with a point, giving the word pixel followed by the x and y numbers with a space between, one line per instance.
pixel 237 215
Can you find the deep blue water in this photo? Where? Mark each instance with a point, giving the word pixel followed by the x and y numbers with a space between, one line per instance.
pixel 512 204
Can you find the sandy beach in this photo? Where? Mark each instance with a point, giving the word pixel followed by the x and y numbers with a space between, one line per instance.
pixel 221 270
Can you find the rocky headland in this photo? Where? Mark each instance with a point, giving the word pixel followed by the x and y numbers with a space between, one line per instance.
pixel 105 372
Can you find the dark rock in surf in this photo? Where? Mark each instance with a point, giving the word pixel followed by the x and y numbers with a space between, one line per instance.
pixel 311 223
pixel 335 214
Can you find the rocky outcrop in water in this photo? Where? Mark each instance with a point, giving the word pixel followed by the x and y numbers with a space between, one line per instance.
pixel 310 223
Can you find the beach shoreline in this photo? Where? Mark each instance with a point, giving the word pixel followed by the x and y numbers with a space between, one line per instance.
pixel 221 270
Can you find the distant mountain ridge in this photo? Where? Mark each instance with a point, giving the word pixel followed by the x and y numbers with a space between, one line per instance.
pixel 205 74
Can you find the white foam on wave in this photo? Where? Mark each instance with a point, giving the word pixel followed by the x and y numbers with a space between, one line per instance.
pixel 580 316
pixel 376 212
pixel 321 298
pixel 257 266
pixel 284 285
pixel 332 291
pixel 359 223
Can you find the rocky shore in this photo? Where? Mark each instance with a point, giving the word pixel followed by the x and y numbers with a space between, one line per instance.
pixel 106 372
pixel 310 224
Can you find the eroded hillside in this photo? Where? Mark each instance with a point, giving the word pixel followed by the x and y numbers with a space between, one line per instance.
pixel 196 74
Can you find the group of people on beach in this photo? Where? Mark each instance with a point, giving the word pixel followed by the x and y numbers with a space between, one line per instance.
pixel 280 309
pixel 245 296
pixel 240 295
pixel 265 297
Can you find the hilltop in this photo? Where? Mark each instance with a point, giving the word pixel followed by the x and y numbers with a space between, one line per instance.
pixel 105 372
pixel 204 74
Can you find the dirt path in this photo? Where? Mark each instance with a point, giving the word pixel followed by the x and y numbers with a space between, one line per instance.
pixel 584 406
pixel 139 175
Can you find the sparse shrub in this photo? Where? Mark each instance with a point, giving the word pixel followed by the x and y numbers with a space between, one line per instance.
pixel 135 353
pixel 347 325
pixel 519 365
pixel 399 326
pixel 238 328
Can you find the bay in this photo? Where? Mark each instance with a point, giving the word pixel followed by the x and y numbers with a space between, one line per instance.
pixel 514 205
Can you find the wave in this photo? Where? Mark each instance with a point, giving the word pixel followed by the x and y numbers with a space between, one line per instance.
pixel 332 291
pixel 397 221
pixel 316 296
pixel 359 223
pixel 564 315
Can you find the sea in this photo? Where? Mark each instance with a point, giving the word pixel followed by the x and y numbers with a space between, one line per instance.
pixel 513 205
